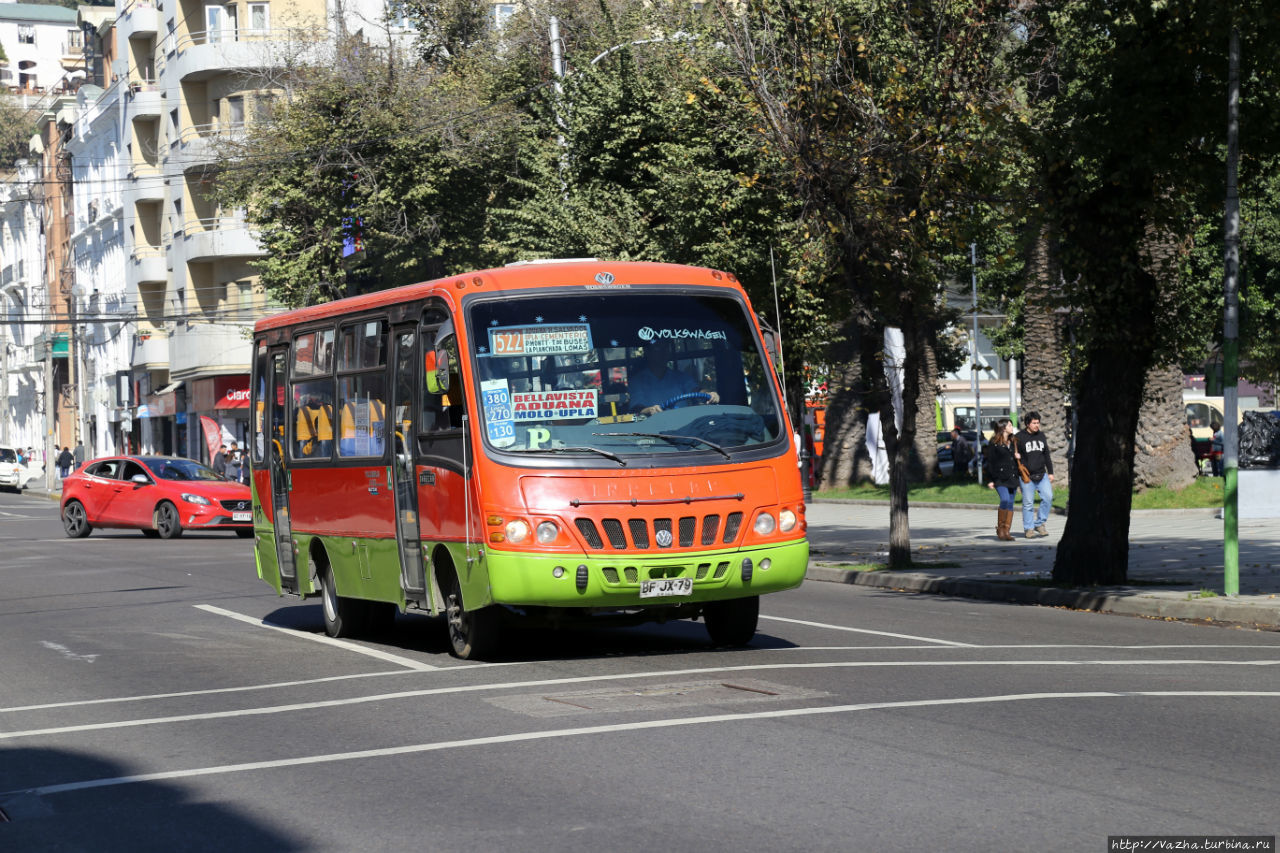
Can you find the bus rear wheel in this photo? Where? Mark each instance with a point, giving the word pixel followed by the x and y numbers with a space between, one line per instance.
pixel 733 622
pixel 473 634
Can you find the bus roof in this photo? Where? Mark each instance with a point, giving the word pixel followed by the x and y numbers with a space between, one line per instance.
pixel 589 273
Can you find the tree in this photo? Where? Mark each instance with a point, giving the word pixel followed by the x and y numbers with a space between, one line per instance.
pixel 374 171
pixel 1129 101
pixel 17 127
pixel 887 117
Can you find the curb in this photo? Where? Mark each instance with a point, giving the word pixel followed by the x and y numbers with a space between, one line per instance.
pixel 1129 601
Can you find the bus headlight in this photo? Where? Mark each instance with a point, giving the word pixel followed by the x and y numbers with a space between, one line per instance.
pixel 517 531
pixel 547 532
pixel 765 524
pixel 786 521
pixel 195 499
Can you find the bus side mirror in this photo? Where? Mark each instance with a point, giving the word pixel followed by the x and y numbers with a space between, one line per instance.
pixel 436 364
pixel 771 345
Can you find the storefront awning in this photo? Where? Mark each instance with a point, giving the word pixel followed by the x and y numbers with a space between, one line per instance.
pixel 170 388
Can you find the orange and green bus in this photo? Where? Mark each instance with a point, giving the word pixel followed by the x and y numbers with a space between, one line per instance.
pixel 549 442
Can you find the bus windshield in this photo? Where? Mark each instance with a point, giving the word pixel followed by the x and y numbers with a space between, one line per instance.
pixel 622 374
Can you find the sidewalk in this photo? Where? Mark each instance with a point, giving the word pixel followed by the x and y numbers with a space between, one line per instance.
pixel 1175 557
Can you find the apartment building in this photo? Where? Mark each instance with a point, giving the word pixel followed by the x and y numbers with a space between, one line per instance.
pixel 21 291
pixel 128 291
pixel 43 45
pixel 196 74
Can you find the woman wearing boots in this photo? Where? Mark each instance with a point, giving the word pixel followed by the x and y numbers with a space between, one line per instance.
pixel 1002 469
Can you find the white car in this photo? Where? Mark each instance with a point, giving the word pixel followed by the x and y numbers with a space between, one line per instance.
pixel 14 475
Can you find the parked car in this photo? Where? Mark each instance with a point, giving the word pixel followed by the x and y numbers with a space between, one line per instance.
pixel 159 495
pixel 14 475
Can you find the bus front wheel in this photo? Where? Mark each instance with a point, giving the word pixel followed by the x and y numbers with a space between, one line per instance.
pixel 733 622
pixel 473 634
pixel 341 615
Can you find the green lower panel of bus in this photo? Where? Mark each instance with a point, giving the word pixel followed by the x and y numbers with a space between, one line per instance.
pixel 629 580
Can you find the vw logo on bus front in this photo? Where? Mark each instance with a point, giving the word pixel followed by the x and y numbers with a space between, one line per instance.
pixel 664 538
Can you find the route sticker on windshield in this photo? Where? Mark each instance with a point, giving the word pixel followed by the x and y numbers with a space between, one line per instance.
pixel 555 405
pixel 498 421
pixel 540 340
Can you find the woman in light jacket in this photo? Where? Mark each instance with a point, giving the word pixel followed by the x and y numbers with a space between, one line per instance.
pixel 1002 474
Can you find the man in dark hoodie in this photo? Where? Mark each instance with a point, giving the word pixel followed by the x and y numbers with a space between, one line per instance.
pixel 1033 452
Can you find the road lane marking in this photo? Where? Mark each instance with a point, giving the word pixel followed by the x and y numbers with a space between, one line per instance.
pixel 583 679
pixel 580 731
pixel 865 631
pixel 408 663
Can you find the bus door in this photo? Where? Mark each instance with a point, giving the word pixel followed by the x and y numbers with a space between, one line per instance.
pixel 279 473
pixel 404 406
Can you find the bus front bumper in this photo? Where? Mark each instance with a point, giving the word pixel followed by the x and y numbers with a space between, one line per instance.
pixel 617 580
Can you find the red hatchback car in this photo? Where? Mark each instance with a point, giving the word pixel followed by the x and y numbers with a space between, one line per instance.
pixel 159 495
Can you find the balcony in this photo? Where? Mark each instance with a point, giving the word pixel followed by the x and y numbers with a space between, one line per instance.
pixel 145 184
pixel 145 99
pixel 138 18
pixel 218 237
pixel 206 348
pixel 147 264
pixel 150 351
pixel 201 55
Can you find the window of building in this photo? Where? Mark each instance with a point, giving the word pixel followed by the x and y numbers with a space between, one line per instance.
pixel 499 13
pixel 235 111
pixel 26 34
pixel 259 17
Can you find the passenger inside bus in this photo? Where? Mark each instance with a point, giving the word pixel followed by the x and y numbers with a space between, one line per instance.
pixel 360 427
pixel 313 431
pixel 657 382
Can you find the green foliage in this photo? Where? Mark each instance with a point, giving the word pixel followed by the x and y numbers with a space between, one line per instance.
pixel 373 146
pixel 17 127
pixel 1260 276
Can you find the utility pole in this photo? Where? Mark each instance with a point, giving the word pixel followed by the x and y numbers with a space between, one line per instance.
pixel 1231 332
pixel 50 421
pixel 4 385
pixel 976 380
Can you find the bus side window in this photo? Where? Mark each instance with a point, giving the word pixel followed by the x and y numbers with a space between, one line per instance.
pixel 313 427
pixel 362 414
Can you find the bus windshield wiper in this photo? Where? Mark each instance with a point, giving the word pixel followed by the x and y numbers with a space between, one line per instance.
pixel 615 457
pixel 672 437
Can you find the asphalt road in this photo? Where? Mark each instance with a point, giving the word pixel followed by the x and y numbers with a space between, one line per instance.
pixel 156 696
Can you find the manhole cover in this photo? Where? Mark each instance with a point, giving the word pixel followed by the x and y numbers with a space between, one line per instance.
pixel 651 697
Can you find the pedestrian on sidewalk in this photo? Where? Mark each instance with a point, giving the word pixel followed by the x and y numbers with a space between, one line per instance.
pixel 961 454
pixel 1032 449
pixel 1002 468
pixel 64 463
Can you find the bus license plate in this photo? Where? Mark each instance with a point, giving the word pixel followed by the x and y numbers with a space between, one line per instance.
pixel 242 516
pixel 666 587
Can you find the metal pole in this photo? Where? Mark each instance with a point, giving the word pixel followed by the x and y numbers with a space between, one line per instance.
pixel 50 421
pixel 1013 391
pixel 1230 333
pixel 977 381
pixel 4 382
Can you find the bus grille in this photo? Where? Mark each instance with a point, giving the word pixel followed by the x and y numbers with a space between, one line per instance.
pixel 636 533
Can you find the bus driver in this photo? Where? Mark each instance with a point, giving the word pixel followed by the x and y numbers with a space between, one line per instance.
pixel 655 383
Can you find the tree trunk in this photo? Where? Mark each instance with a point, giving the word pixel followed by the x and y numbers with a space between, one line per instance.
pixel 1095 540
pixel 899 443
pixel 1162 449
pixel 924 459
pixel 845 460
pixel 1045 389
